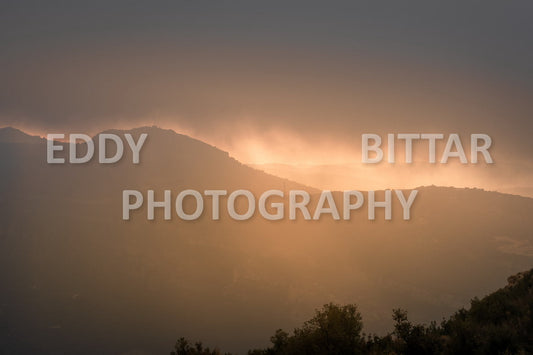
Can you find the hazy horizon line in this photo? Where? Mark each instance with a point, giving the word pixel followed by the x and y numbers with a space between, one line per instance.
pixel 264 166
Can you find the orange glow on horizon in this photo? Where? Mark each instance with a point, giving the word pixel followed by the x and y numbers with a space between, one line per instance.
pixel 328 164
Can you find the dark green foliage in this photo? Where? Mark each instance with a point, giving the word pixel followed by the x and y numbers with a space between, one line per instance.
pixel 500 323
pixel 334 329
pixel 414 339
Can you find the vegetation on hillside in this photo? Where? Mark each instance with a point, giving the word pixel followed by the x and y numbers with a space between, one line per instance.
pixel 500 323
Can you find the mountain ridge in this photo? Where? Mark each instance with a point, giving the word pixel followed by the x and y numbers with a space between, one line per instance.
pixel 10 134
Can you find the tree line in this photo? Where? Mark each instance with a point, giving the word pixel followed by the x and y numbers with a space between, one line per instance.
pixel 500 323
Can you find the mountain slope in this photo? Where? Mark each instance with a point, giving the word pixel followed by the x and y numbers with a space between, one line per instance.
pixel 13 135
pixel 78 279
pixel 500 323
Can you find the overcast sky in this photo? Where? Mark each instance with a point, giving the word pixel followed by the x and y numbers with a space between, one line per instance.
pixel 308 72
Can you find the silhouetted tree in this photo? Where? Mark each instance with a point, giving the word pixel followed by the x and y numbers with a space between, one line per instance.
pixel 183 347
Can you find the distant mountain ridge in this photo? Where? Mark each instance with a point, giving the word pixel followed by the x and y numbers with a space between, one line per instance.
pixel 13 135
pixel 179 142
pixel 165 154
pixel 288 173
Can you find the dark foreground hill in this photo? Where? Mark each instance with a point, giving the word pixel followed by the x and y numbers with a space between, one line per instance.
pixel 500 323
pixel 76 278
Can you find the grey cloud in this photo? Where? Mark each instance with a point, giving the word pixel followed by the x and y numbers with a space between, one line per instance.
pixel 312 68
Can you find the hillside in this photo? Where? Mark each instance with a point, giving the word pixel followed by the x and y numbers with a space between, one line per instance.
pixel 78 279
pixel 500 323
pixel 13 135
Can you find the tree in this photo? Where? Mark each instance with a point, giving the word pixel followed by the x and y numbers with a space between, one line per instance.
pixel 334 329
pixel 183 347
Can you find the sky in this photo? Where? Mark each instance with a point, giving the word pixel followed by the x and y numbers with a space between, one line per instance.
pixel 292 83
